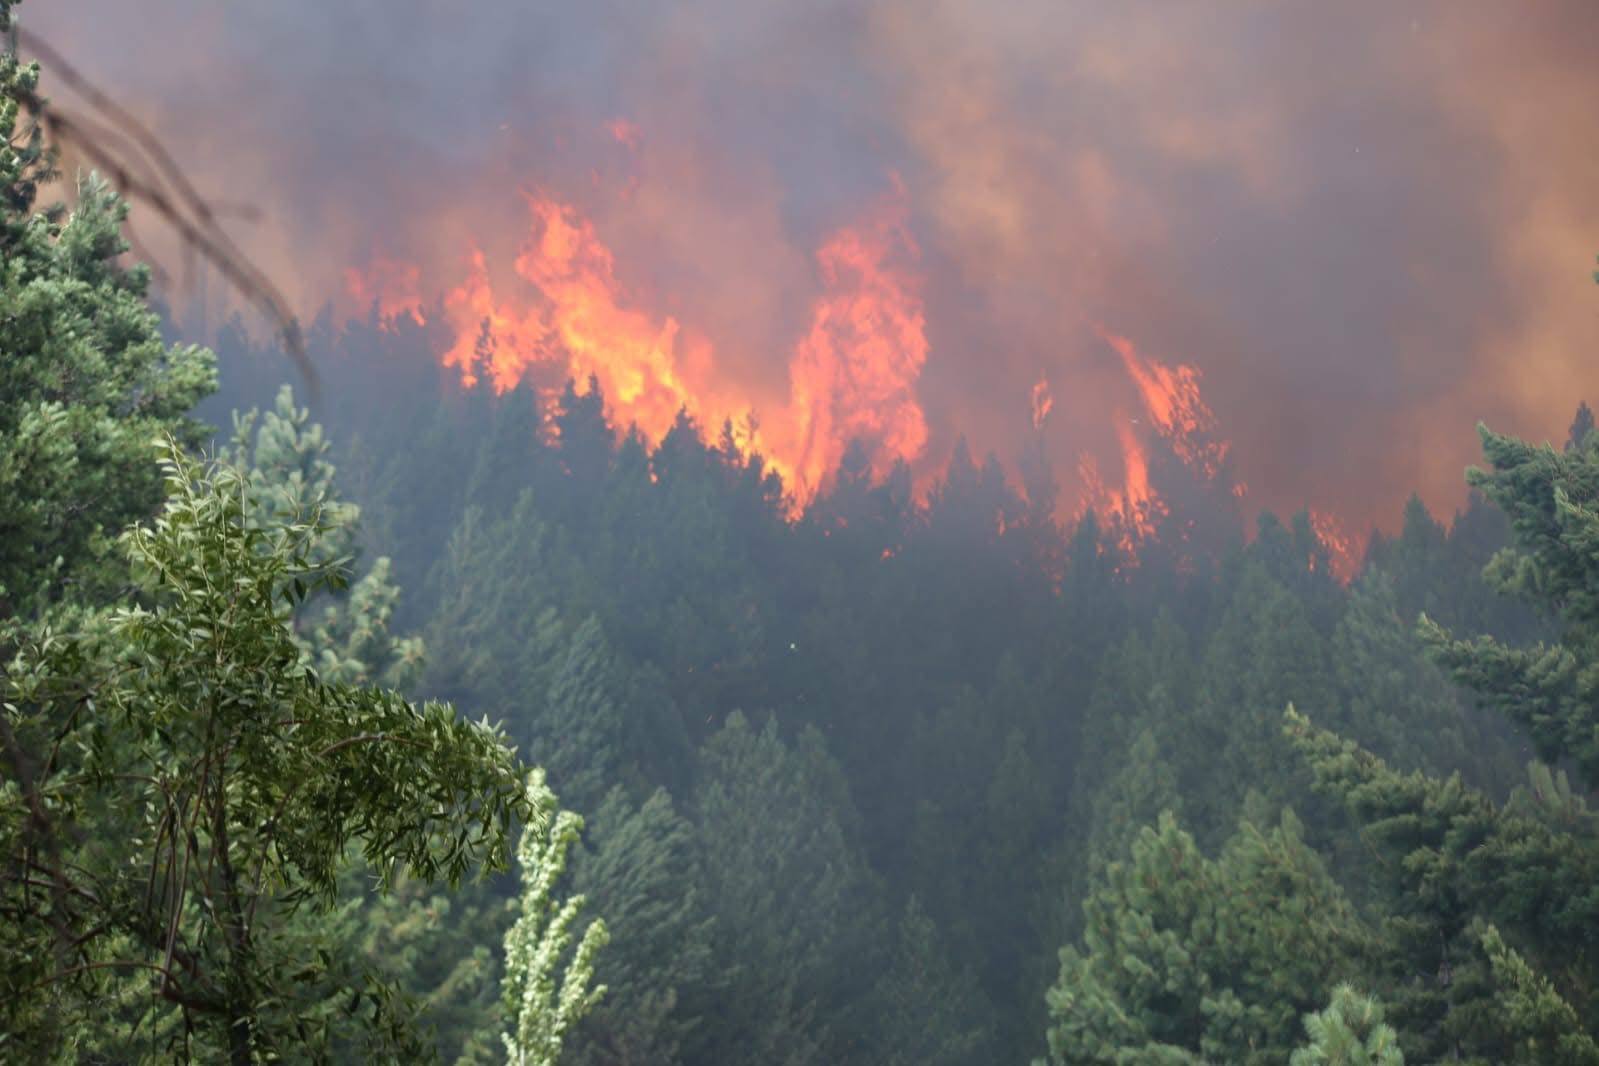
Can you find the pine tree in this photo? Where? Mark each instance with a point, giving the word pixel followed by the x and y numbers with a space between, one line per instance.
pixel 929 1011
pixel 1475 876
pixel 346 637
pixel 1349 1032
pixel 437 948
pixel 1395 700
pixel 1262 652
pixel 789 892
pixel 1552 690
pixel 1542 1025
pixel 1187 959
pixel 86 382
pixel 578 733
pixel 494 634
pixel 1581 428
pixel 640 870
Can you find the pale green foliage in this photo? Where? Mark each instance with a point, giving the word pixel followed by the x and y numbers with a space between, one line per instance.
pixel 345 638
pixel 546 992
pixel 1349 1032
pixel 291 477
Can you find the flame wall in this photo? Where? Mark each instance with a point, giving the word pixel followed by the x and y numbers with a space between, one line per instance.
pixel 1364 225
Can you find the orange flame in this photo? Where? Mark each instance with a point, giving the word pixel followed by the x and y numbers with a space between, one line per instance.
pixel 579 324
pixel 1181 419
pixel 1136 503
pixel 562 312
pixel 852 376
pixel 1043 403
pixel 1343 558
pixel 391 286
pixel 1172 400
pixel 1134 507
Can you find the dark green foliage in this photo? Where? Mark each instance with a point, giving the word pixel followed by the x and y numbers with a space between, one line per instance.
pixel 492 636
pixel 929 1012
pixel 1581 428
pixel 1191 959
pixel 1551 689
pixel 441 948
pixel 641 871
pixel 86 382
pixel 1263 651
pixel 1461 859
pixel 989 709
pixel 790 894
pixel 186 784
pixel 980 735
pixel 1397 703
pixel 1498 901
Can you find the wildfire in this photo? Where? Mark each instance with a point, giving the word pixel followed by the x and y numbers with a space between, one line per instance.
pixel 852 376
pixel 1173 403
pixel 1343 557
pixel 1134 507
pixel 1180 420
pixel 623 132
pixel 561 311
pixel 1043 403
pixel 391 286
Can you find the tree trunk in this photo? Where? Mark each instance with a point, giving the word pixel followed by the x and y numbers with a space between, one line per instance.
pixel 241 1015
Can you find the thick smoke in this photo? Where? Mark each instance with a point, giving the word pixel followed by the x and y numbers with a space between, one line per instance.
pixel 1368 224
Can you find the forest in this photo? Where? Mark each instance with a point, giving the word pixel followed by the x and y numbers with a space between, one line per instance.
pixel 396 719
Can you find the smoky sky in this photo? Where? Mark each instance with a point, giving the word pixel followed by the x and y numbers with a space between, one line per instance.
pixel 1369 224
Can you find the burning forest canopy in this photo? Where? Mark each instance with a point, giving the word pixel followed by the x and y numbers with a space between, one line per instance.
pixel 820 441
pixel 1300 246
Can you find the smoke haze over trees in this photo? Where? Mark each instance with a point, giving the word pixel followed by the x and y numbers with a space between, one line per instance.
pixel 953 750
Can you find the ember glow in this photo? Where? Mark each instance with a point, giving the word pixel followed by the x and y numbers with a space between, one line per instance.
pixel 1043 403
pixel 1343 551
pixel 388 286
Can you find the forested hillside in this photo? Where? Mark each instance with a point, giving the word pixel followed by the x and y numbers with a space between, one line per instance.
pixel 927 775
pixel 856 779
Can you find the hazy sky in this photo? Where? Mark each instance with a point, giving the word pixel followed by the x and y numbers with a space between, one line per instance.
pixel 1369 224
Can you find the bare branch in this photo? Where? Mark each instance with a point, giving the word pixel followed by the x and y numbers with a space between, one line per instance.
pixel 142 169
